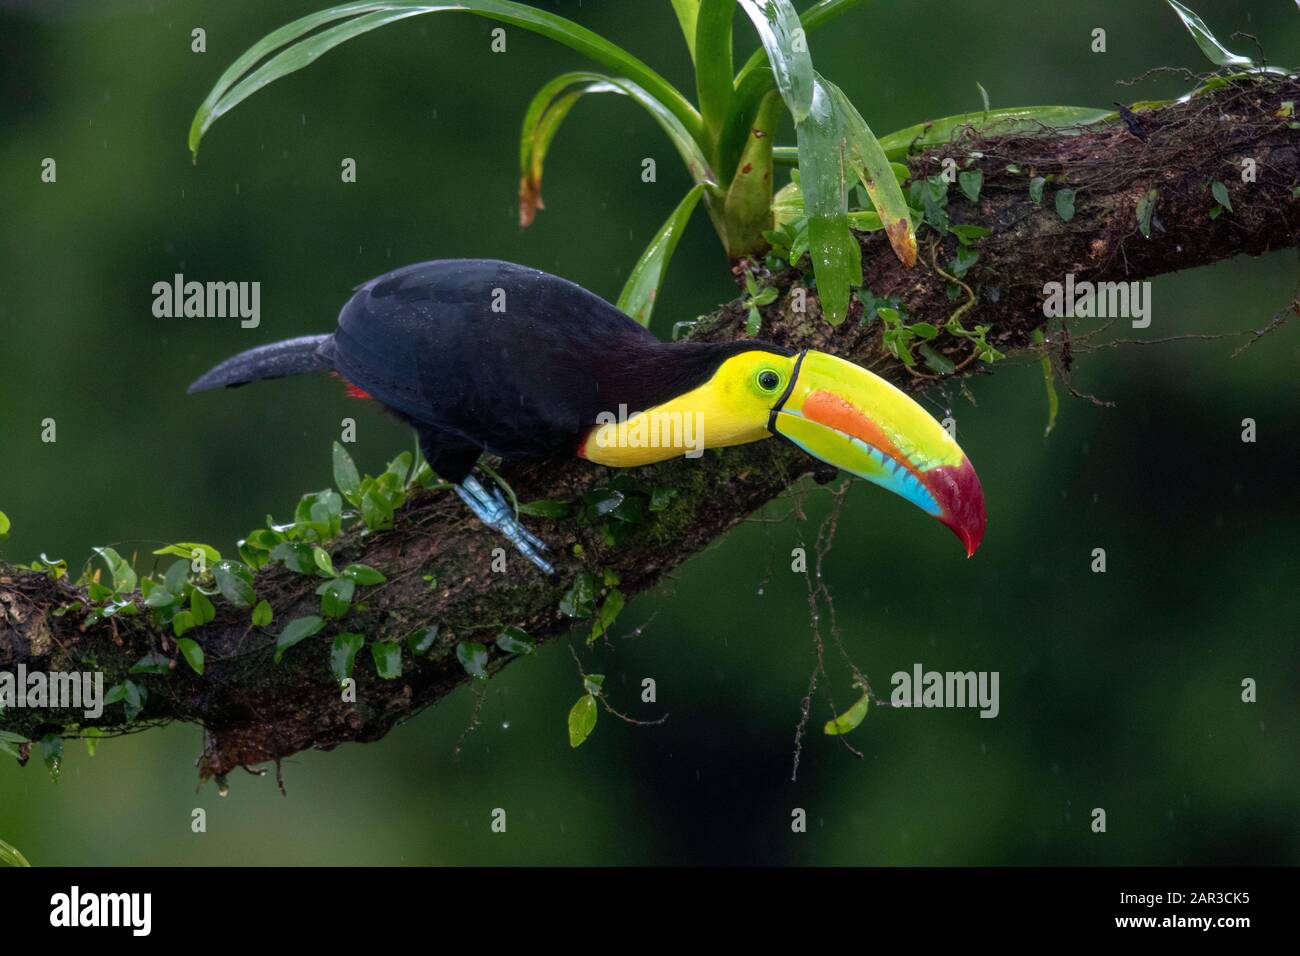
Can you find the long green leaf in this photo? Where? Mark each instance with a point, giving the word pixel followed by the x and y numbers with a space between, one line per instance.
pixel 10 856
pixel 1214 51
pixel 301 42
pixel 688 12
pixel 747 209
pixel 745 103
pixel 784 40
pixel 713 64
pixel 756 79
pixel 642 287
pixel 552 104
pixel 865 156
pixel 1016 119
pixel 836 258
pixel 819 14
pixel 1053 402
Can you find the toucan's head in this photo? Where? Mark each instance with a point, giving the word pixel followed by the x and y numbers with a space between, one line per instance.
pixel 832 409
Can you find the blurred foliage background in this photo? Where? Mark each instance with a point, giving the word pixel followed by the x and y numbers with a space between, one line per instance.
pixel 1119 690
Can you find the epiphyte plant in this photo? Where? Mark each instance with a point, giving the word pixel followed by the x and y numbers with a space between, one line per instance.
pixel 726 139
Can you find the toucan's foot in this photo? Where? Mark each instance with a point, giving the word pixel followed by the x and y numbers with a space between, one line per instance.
pixel 495 512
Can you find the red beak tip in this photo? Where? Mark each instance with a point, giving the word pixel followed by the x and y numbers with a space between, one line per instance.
pixel 963 503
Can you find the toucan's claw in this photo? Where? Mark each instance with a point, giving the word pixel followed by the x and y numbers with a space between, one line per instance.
pixel 493 510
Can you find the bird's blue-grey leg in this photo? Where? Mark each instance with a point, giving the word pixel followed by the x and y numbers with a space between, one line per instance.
pixel 495 512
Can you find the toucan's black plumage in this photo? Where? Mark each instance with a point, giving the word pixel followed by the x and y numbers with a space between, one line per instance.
pixel 482 355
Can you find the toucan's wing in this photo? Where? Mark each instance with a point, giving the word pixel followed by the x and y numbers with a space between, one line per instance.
pixel 495 352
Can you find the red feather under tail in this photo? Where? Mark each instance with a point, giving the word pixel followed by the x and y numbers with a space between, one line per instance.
pixel 353 390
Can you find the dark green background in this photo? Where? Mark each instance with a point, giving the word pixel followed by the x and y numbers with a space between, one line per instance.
pixel 1118 691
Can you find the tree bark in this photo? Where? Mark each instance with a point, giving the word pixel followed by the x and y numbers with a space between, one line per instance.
pixel 255 711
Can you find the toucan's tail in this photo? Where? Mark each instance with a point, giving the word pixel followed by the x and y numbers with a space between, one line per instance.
pixel 290 357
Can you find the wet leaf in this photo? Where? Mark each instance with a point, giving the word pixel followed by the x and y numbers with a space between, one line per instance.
pixel 421 641
pixel 346 476
pixel 936 361
pixel 474 658
pixel 1065 204
pixel 971 182
pixel 363 574
pixel 262 614
pixel 546 508
pixel 1145 207
pixel 850 719
pixel 387 656
pixel 10 856
pixel 580 599
pixel 187 550
pixel 785 43
pixel 343 655
pixel 1015 119
pixel 235 582
pixel 299 629
pixel 646 279
pixel 1049 380
pixel 1214 51
pixel 153 663
pixel 201 608
pixel 192 652
pixel 582 720
pixel 1220 192
pixel 336 596
pixel 512 640
pixel 609 612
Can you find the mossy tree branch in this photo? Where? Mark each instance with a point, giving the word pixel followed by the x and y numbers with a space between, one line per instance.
pixel 256 711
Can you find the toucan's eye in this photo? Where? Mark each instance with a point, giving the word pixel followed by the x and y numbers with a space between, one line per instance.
pixel 768 380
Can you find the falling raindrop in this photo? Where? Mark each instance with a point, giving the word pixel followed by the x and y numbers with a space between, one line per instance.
pixel 236 189
pixel 505 725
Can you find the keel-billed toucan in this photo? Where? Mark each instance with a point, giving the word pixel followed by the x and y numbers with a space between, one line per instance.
pixel 485 356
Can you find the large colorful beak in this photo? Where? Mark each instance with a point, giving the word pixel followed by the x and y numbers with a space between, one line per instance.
pixel 858 422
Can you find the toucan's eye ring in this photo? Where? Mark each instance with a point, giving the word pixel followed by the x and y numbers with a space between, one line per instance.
pixel 768 380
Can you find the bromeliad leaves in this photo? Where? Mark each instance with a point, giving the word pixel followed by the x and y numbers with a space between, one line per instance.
pixel 835 141
pixel 729 108
pixel 303 41
pixel 552 104
pixel 642 287
pixel 785 42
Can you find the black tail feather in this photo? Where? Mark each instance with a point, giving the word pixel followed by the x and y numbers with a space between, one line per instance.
pixel 290 357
